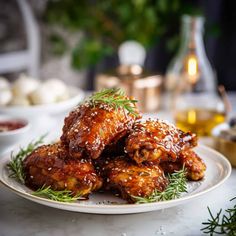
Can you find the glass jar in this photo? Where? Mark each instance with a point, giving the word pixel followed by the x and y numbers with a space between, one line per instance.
pixel 137 83
pixel 191 83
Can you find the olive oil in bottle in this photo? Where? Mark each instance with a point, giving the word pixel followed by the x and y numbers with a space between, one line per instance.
pixel 198 120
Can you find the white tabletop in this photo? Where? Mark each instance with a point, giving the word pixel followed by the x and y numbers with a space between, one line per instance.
pixel 22 218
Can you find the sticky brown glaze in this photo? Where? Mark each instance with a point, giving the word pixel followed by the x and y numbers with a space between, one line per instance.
pixel 128 179
pixel 88 129
pixel 193 163
pixel 154 140
pixel 51 165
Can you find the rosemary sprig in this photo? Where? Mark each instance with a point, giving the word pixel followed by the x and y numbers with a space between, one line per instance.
pixel 15 166
pixel 115 98
pixel 177 185
pixel 60 196
pixel 221 224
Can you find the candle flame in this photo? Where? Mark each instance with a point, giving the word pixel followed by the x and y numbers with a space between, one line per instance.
pixel 192 66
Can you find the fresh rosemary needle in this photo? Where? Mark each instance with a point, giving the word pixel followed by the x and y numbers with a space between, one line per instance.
pixel 177 185
pixel 115 98
pixel 60 196
pixel 221 224
pixel 15 166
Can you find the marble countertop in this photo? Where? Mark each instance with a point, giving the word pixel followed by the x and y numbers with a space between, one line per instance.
pixel 20 217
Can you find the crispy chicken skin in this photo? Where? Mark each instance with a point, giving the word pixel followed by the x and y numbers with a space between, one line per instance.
pixel 128 179
pixel 157 140
pixel 89 129
pixel 193 163
pixel 51 165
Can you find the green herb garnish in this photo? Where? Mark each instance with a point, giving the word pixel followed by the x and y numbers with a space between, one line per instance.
pixel 60 196
pixel 221 224
pixel 177 185
pixel 115 98
pixel 15 166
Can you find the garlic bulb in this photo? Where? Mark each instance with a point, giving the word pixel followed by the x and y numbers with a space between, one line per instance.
pixel 4 84
pixel 42 95
pixel 57 87
pixel 20 101
pixel 24 86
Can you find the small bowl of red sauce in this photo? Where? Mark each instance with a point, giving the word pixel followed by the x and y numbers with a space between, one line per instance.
pixel 12 131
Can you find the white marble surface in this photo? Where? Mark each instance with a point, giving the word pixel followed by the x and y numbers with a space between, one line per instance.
pixel 20 217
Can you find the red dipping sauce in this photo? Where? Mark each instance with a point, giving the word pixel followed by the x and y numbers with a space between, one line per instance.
pixel 11 125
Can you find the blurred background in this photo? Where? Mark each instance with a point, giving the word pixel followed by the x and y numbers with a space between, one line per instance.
pixel 76 40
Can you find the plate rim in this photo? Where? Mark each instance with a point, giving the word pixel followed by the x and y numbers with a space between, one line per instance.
pixel 173 202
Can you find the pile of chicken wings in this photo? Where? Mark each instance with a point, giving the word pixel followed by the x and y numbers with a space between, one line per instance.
pixel 111 149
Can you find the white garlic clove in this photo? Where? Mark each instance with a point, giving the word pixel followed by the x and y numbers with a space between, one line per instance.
pixel 5 96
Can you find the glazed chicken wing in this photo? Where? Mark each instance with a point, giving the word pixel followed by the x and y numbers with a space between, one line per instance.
pixel 193 163
pixel 50 165
pixel 128 179
pixel 155 141
pixel 89 129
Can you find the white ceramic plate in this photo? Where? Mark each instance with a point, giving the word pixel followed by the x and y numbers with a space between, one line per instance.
pixel 218 170
pixel 76 96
